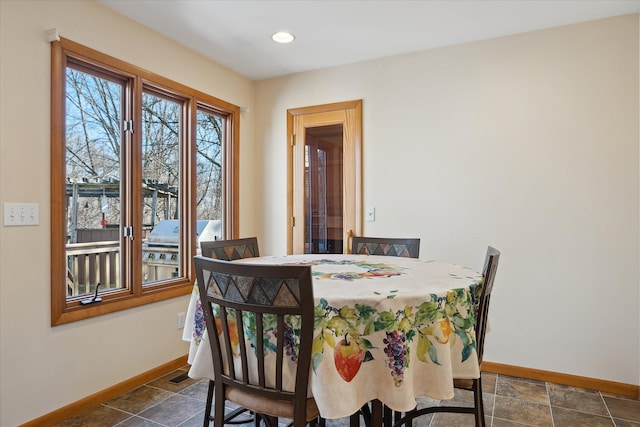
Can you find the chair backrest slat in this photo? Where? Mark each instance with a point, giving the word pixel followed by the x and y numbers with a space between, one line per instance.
pixel 279 352
pixel 243 345
pixel 260 349
pixel 387 246
pixel 225 330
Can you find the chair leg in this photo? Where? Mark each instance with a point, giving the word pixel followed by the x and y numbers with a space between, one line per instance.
pixel 354 420
pixel 365 411
pixel 479 404
pixel 207 411
pixel 269 421
pixel 387 416
pixel 396 417
pixel 218 402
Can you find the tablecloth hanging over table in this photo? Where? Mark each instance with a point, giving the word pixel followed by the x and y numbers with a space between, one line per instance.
pixel 386 328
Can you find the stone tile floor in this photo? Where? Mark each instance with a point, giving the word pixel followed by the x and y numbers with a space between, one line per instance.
pixel 509 402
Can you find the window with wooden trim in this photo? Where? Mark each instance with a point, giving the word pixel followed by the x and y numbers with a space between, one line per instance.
pixel 142 169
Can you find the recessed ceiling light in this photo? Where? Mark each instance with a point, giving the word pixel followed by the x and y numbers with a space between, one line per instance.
pixel 282 37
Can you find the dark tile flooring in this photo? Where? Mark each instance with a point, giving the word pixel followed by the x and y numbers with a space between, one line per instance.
pixel 509 402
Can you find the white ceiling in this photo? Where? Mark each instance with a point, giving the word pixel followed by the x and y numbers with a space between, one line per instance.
pixel 237 33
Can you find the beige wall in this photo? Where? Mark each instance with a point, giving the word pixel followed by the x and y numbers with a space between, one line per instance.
pixel 528 143
pixel 44 368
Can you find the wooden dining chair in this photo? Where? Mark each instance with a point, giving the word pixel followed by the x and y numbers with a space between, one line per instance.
pixel 252 311
pixel 475 385
pixel 409 248
pixel 230 249
pixel 386 246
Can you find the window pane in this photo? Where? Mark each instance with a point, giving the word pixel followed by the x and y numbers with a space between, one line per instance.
pixel 123 158
pixel 161 134
pixel 209 179
pixel 93 141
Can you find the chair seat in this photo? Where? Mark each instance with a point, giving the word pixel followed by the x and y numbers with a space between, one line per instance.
pixel 267 406
pixel 463 384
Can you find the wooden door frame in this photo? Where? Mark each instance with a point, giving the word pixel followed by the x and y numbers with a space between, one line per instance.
pixel 355 107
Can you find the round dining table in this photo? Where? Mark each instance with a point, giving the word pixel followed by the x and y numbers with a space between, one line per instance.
pixel 387 329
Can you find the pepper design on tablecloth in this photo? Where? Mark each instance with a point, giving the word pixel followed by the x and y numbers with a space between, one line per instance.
pixel 346 329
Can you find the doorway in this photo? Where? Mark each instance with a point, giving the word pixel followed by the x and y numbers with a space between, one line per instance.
pixel 325 177
pixel 323 220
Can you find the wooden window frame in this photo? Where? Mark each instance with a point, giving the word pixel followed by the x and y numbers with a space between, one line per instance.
pixel 133 293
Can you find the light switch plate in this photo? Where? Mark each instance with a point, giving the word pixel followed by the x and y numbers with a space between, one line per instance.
pixel 371 214
pixel 181 319
pixel 21 214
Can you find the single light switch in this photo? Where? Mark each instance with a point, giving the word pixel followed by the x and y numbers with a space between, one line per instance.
pixel 181 319
pixel 371 214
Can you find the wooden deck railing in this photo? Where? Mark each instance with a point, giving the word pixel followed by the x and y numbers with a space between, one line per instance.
pixel 91 263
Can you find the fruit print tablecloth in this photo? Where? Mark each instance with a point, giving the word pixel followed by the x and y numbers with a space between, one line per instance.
pixel 386 328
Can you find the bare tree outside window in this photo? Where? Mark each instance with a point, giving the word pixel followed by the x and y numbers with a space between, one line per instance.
pixel 94 129
pixel 210 128
pixel 160 158
pixel 142 169
pixel 93 136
